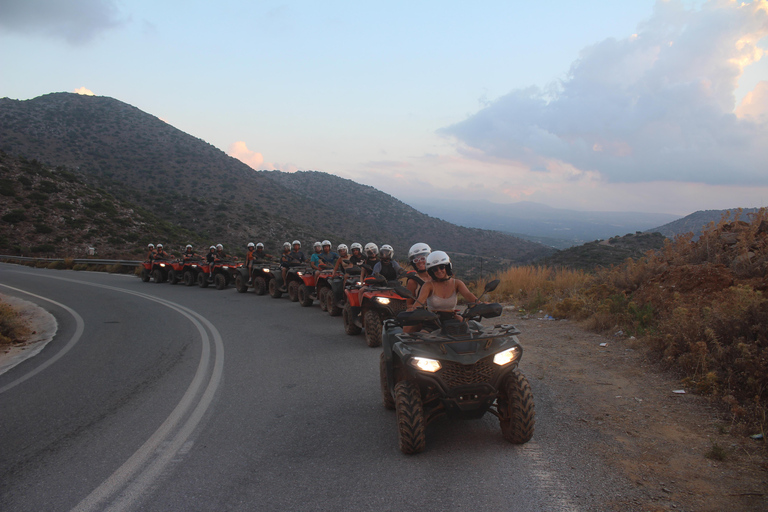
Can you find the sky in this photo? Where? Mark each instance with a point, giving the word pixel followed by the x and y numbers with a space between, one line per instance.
pixel 648 106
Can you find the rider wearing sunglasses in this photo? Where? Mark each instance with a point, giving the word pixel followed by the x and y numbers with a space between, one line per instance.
pixel 441 293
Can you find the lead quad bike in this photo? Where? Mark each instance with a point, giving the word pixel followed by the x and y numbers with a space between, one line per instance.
pixel 456 368
pixel 263 273
pixel 156 270
pixel 379 302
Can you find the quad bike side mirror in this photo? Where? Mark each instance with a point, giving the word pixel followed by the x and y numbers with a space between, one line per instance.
pixel 489 287
pixel 404 292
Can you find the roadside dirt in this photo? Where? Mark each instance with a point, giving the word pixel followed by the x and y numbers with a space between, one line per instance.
pixel 660 439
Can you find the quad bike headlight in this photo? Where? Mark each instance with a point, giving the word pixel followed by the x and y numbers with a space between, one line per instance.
pixel 425 364
pixel 194 266
pixel 299 273
pixel 382 300
pixel 507 356
pixel 265 270
pixel 225 267
pixel 162 265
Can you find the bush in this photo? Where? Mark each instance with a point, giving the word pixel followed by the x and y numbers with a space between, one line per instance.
pixel 80 266
pixel 14 216
pixel 12 328
pixel 115 269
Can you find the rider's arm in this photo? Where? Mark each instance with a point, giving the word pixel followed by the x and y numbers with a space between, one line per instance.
pixel 421 300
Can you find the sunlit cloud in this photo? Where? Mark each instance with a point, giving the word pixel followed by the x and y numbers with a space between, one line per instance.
pixel 240 151
pixel 658 105
pixel 83 91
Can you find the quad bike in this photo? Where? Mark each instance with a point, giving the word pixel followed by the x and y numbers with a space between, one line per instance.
pixel 295 278
pixel 179 269
pixel 223 274
pixel 155 269
pixel 457 368
pixel 263 273
pixel 335 297
pixel 379 301
pixel 313 287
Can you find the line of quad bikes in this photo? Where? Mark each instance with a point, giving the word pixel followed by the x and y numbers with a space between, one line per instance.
pixel 450 366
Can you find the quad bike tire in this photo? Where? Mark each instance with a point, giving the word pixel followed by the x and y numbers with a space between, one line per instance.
pixel 260 285
pixel 241 285
pixel 145 275
pixel 274 289
pixel 349 325
pixel 321 293
pixel 373 324
pixel 157 275
pixel 189 278
pixel 172 277
pixel 220 280
pixel 386 396
pixel 293 291
pixel 305 298
pixel 517 414
pixel 202 280
pixel 410 418
pixel 330 305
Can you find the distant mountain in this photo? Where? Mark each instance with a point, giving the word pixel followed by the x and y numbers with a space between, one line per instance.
pixel 139 159
pixel 559 228
pixel 694 222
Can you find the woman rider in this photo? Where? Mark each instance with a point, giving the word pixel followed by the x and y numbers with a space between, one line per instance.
pixel 441 293
pixel 417 256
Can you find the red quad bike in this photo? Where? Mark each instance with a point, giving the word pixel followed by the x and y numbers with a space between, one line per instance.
pixel 313 288
pixel 223 274
pixel 184 270
pixel 456 368
pixel 335 298
pixel 263 274
pixel 379 302
pixel 156 269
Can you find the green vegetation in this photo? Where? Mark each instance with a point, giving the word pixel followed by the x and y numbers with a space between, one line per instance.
pixel 12 327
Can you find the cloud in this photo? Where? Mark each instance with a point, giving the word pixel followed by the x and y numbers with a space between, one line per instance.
pixel 76 22
pixel 83 91
pixel 240 151
pixel 658 105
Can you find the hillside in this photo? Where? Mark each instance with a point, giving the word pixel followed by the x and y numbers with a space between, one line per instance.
pixel 695 222
pixel 141 160
pixel 50 212
pixel 604 253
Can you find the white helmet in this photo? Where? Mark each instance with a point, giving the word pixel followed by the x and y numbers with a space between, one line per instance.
pixel 151 246
pixel 159 246
pixel 418 250
pixel 390 252
pixel 219 247
pixel 342 247
pixel 287 244
pixel 357 246
pixel 316 244
pixel 371 247
pixel 213 247
pixel 259 245
pixel 439 258
pixel 189 246
pixel 327 242
pixel 296 242
pixel 250 244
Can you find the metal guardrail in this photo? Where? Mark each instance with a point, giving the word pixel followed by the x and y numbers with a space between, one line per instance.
pixel 86 261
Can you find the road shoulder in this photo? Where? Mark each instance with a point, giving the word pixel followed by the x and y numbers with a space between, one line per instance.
pixel 42 326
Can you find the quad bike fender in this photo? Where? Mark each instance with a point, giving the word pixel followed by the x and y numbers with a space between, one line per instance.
pixel 243 272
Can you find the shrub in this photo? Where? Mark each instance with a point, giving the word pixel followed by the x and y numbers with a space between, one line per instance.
pixel 14 216
pixel 57 265
pixel 115 269
pixel 12 328
pixel 80 266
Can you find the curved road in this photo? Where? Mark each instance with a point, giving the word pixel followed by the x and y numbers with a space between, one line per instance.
pixel 176 398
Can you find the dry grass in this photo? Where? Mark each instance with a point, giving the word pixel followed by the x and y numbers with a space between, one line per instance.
pixel 700 307
pixel 12 328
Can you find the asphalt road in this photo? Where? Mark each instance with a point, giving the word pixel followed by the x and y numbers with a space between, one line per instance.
pixel 163 397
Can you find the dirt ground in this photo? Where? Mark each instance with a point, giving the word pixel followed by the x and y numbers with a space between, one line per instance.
pixel 661 438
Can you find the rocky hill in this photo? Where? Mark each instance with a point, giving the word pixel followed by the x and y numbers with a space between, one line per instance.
pixel 604 253
pixel 143 161
pixel 697 221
